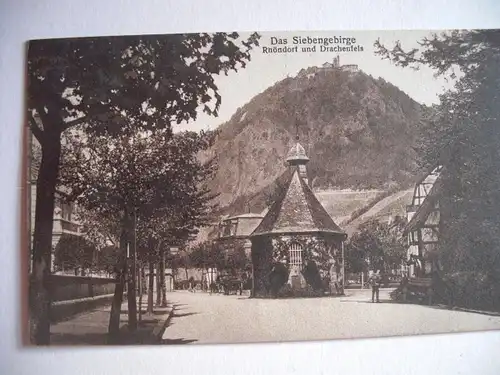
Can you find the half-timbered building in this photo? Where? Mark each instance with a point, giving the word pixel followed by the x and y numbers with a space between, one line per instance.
pixel 424 220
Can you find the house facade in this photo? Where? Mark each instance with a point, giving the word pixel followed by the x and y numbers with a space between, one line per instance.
pixel 239 227
pixel 65 220
pixel 424 220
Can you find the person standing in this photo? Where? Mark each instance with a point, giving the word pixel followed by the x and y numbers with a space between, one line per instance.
pixel 375 280
pixel 191 284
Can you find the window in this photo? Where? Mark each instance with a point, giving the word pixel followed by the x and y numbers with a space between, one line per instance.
pixel 295 254
pixel 66 210
pixel 413 238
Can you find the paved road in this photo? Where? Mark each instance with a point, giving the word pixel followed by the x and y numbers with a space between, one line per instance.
pixel 201 318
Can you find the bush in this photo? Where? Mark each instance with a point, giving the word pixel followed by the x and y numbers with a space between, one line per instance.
pixel 462 289
pixel 277 278
pixel 474 290
pixel 312 276
pixel 247 284
pixel 286 291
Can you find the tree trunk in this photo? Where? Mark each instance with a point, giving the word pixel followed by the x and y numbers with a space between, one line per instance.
pixel 158 285
pixel 162 279
pixel 140 289
pixel 42 240
pixel 131 293
pixel 116 306
pixel 151 284
pixel 143 278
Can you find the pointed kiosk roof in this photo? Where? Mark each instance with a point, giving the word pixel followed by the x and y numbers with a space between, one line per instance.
pixel 296 210
pixel 297 155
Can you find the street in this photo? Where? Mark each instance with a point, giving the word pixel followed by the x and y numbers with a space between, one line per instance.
pixel 201 318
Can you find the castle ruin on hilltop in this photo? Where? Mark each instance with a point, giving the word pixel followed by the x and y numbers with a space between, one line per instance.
pixel 330 67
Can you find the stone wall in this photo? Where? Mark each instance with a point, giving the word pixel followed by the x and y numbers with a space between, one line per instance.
pixel 71 295
pixel 65 288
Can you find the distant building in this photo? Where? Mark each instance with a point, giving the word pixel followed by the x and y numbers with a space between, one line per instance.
pixel 328 66
pixel 424 220
pixel 335 65
pixel 240 227
pixel 350 68
pixel 65 215
pixel 65 221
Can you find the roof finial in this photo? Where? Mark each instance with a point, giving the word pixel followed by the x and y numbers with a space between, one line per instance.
pixel 296 131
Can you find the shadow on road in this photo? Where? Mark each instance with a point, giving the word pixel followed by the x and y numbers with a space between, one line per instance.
pixel 177 341
pixel 365 301
pixel 78 339
pixel 176 315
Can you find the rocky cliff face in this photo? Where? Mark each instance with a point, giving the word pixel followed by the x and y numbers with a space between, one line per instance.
pixel 358 132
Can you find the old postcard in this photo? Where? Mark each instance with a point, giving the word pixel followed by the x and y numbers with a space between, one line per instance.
pixel 262 187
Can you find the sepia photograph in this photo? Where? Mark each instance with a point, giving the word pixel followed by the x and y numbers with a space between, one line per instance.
pixel 251 187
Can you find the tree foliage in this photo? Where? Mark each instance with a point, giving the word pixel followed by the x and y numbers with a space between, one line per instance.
pixel 227 255
pixel 155 79
pixel 376 245
pixel 110 86
pixel 74 253
pixel 463 135
pixel 107 260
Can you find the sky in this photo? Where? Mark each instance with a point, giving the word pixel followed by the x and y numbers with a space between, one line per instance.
pixel 265 69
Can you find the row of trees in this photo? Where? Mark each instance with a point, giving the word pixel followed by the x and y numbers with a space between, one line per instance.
pixel 226 256
pixel 463 134
pixel 101 110
pixel 377 246
pixel 76 254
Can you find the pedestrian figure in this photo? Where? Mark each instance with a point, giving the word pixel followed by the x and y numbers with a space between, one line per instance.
pixel 213 288
pixel 191 284
pixel 375 280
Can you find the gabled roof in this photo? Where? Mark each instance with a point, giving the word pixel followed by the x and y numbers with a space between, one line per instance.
pixel 245 216
pixel 296 210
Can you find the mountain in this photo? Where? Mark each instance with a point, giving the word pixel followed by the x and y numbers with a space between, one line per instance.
pixel 358 132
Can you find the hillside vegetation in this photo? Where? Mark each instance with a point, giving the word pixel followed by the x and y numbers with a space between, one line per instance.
pixel 358 132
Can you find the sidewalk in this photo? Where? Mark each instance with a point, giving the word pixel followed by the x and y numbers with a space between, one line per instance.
pixel 91 327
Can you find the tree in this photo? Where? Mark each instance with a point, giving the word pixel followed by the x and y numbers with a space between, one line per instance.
pixel 74 253
pixel 106 84
pixel 237 259
pixel 154 184
pixel 463 135
pixel 376 245
pixel 208 254
pixel 108 260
